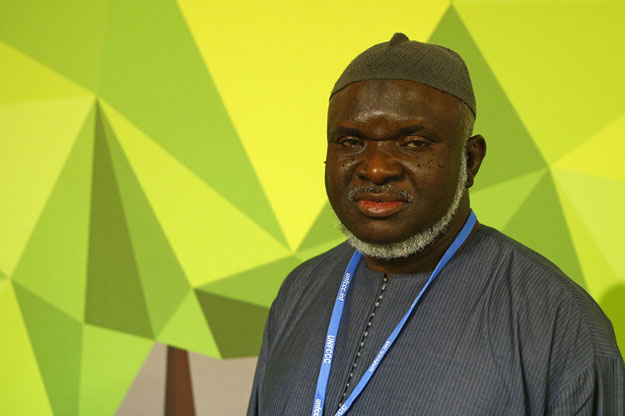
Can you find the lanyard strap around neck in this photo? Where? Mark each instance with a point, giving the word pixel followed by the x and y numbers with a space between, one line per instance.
pixel 337 313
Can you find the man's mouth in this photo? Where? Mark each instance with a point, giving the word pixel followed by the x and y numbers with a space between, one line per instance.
pixel 379 205
pixel 379 209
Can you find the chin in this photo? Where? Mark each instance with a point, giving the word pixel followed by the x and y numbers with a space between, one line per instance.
pixel 391 240
pixel 386 249
pixel 380 234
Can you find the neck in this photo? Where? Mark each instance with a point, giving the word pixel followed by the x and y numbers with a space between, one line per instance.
pixel 427 259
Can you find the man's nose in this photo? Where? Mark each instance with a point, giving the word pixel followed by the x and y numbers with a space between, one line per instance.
pixel 378 164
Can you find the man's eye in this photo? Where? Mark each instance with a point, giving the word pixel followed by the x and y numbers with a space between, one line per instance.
pixel 347 142
pixel 415 143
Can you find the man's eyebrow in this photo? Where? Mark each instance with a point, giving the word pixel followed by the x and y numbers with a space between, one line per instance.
pixel 407 131
pixel 341 131
pixel 347 131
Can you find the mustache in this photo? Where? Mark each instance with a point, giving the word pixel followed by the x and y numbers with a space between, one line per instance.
pixel 381 189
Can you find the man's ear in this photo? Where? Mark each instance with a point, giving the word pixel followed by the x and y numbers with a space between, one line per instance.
pixel 476 150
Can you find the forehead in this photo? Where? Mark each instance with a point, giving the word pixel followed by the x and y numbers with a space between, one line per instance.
pixel 392 102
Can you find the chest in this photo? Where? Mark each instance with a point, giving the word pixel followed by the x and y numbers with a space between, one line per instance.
pixel 444 361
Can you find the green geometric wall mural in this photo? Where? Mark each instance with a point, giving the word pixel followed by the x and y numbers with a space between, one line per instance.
pixel 161 167
pixel 237 326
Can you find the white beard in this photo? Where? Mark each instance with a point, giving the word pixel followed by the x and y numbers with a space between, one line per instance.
pixel 419 241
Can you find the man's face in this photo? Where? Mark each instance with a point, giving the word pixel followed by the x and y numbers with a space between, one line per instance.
pixel 394 153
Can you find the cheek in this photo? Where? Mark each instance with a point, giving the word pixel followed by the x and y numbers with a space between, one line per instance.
pixel 335 180
pixel 339 170
pixel 333 176
pixel 430 173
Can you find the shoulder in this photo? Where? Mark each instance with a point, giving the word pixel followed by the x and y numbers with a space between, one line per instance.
pixel 307 281
pixel 310 276
pixel 319 264
pixel 536 278
pixel 508 253
pixel 550 310
pixel 529 273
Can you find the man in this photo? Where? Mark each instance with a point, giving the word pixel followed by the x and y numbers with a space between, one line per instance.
pixel 441 316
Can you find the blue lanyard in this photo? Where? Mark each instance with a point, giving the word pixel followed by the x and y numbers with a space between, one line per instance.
pixel 337 313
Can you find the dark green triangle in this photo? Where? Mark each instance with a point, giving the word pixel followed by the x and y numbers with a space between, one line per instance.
pixel 323 230
pixel 56 339
pixel 259 285
pixel 114 294
pixel 237 326
pixel 162 278
pixel 153 73
pixel 67 36
pixel 540 224
pixel 511 151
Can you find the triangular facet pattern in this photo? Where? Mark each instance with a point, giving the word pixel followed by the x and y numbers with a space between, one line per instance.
pixel 599 275
pixel 596 201
pixel 239 335
pixel 56 340
pixel 160 89
pixel 66 37
pixel 116 358
pixel 258 286
pixel 24 79
pixel 114 295
pixel 188 329
pixel 601 155
pixel 192 213
pixel 54 263
pixel 557 63
pixel 497 120
pixel 324 230
pixel 146 395
pixel 173 209
pixel 36 139
pixel 540 225
pixel 163 282
pixel 498 203
pixel 23 390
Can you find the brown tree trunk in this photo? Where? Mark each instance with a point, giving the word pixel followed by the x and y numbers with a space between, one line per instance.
pixel 179 392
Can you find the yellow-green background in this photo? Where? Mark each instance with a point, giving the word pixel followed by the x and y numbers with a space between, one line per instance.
pixel 161 166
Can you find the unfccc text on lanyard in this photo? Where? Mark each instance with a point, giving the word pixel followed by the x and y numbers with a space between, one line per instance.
pixel 337 313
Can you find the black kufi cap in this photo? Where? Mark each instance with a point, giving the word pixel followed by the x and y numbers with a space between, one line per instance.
pixel 404 59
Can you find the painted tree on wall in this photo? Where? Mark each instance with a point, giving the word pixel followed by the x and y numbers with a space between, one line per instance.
pixel 112 260
pixel 134 211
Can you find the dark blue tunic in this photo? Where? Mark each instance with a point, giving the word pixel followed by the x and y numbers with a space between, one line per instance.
pixel 501 331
